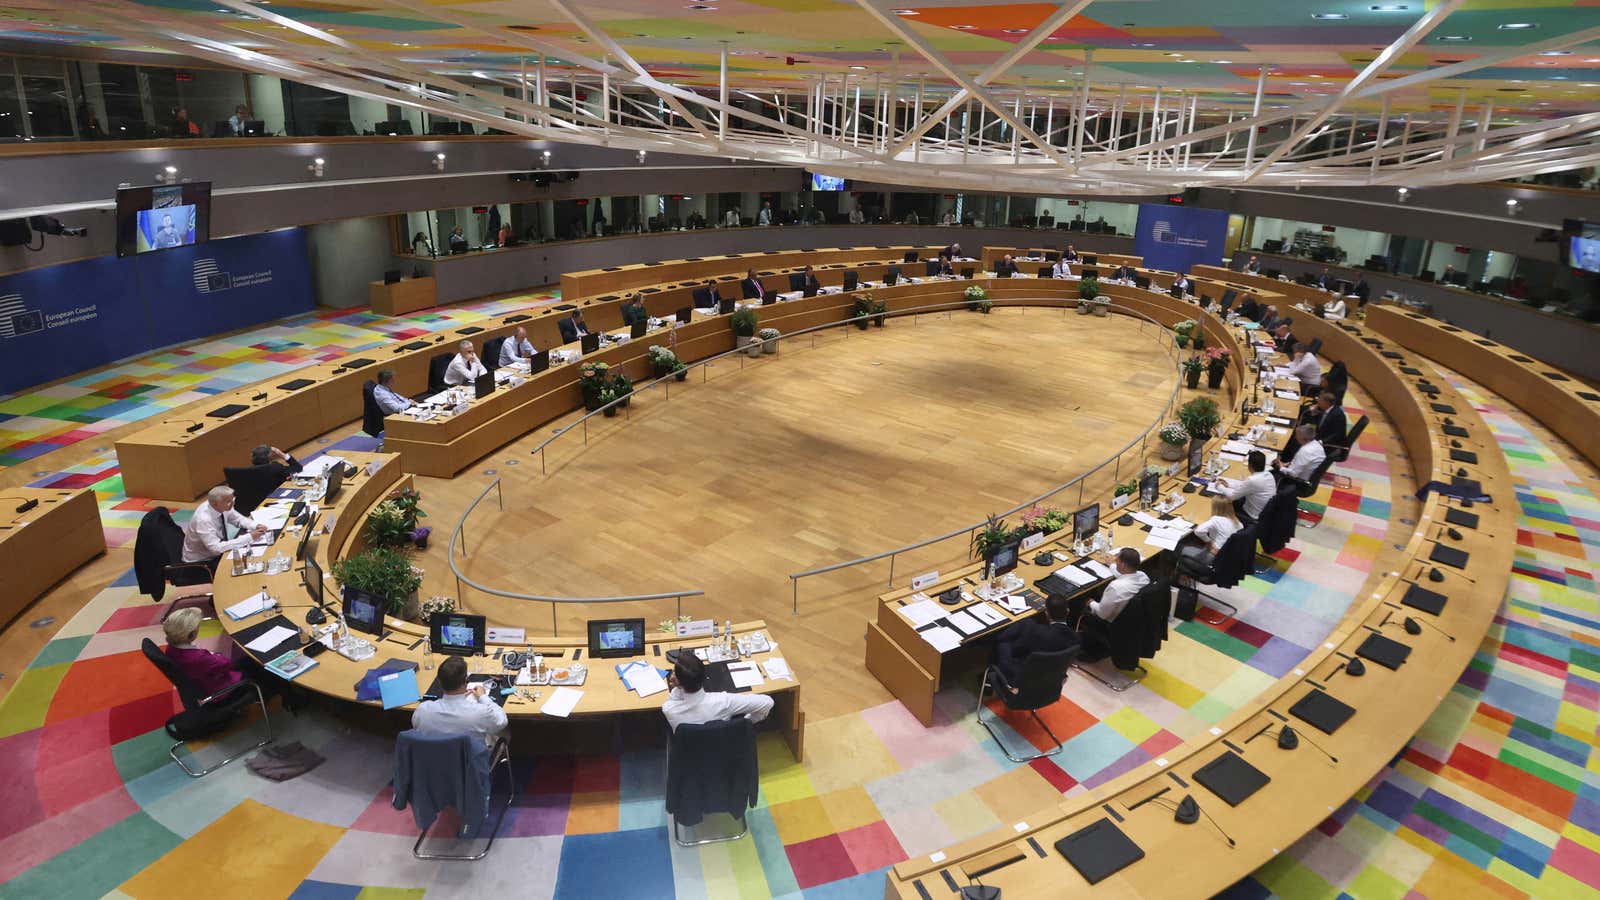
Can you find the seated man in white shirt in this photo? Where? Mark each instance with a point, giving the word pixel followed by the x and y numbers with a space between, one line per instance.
pixel 466 368
pixel 389 401
pixel 1250 496
pixel 1306 459
pixel 1097 615
pixel 1335 309
pixel 205 538
pixel 463 709
pixel 516 349
pixel 1304 368
pixel 1062 268
pixel 690 704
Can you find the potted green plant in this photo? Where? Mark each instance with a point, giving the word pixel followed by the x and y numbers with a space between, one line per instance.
pixel 1089 302
pixel 1173 440
pixel 622 387
pixel 1044 520
pixel 1127 487
pixel 1181 332
pixel 880 311
pixel 1198 340
pixel 593 377
pixel 991 537
pixel 744 323
pixel 1192 367
pixel 978 298
pixel 393 523
pixel 1199 417
pixel 859 311
pixel 769 340
pixel 664 362
pixel 1216 366
pixel 439 604
pixel 383 572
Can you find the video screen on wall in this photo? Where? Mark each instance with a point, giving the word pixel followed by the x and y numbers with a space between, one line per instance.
pixel 1585 253
pixel 162 217
pixel 826 183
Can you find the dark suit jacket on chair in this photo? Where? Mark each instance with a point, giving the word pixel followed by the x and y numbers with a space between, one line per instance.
pixel 252 484
pixel 1029 636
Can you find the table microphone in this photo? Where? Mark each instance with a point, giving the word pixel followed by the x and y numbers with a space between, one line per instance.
pixel 260 396
pixel 198 424
pixel 1414 626
pixel 25 505
pixel 1189 812
pixel 1288 739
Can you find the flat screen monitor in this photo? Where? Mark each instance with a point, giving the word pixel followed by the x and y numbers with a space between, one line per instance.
pixel 363 611
pixel 1585 253
pixel 305 538
pixel 311 577
pixel 1197 457
pixel 539 362
pixel 826 183
pixel 851 280
pixel 483 386
pixel 1228 296
pixel 638 328
pixel 1004 558
pixel 610 638
pixel 1090 259
pixel 163 217
pixel 1150 488
pixel 588 343
pixel 685 315
pixel 391 276
pixel 335 483
pixel 1090 273
pixel 1085 522
pixel 458 634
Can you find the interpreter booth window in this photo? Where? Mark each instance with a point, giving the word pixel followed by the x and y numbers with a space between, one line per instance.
pixel 11 124
pixel 48 95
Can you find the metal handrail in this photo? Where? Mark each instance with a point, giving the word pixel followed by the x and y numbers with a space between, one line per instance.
pixel 969 529
pixel 458 533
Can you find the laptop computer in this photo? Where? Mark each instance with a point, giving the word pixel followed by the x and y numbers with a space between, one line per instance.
pixel 483 386
pixel 639 328
pixel 589 343
pixel 539 362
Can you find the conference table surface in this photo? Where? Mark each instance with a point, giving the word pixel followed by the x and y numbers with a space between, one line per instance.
pixel 1303 786
pixel 335 676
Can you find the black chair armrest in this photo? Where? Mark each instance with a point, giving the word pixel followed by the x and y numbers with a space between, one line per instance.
pixel 203 570
pixel 230 689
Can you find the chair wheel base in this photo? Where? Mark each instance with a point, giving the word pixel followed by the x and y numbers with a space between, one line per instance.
pixel 677 832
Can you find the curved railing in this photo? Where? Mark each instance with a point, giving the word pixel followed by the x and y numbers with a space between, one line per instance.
pixel 457 535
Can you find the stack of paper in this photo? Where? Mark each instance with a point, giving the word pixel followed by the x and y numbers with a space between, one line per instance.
pixel 1167 536
pixel 922 612
pixel 1100 569
pixel 1287 395
pixel 964 622
pixel 249 606
pixel 1075 576
pixel 271 516
pixel 943 639
pixel 319 467
pixel 1241 447
pixel 562 702
pixel 271 639
pixel 641 678
pixel 745 675
pixel 986 614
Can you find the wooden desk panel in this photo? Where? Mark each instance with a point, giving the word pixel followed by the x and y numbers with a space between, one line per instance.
pixel 621 279
pixel 405 295
pixel 40 547
pixel 1298 293
pixel 1103 261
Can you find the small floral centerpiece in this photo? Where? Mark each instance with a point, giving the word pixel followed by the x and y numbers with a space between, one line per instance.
pixel 665 362
pixel 769 340
pixel 1173 439
pixel 593 379
pixel 1044 520
pixel 977 298
pixel 1182 331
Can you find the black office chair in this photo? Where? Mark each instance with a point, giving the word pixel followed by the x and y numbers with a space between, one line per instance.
pixel 371 412
pixel 1341 452
pixel 1304 489
pixel 702 297
pixel 1315 345
pixel 474 777
pixel 437 366
pixel 1044 271
pixel 1138 632
pixel 1042 677
pixel 158 564
pixel 248 491
pixel 797 281
pixel 204 716
pixel 1090 259
pixel 1231 564
pixel 891 276
pixel 491 353
pixel 1275 527
pixel 930 268
pixel 711 768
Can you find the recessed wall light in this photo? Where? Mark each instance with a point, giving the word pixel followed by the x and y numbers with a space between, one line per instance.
pixel 1518 26
pixel 1453 39
pixel 1145 44
pixel 905 12
pixel 1174 54
pixel 964 27
pixel 1555 53
pixel 1390 7
pixel 1329 16
pixel 858 68
pixel 1015 30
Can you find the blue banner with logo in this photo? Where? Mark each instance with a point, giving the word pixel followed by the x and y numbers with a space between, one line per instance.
pixel 61 320
pixel 1173 238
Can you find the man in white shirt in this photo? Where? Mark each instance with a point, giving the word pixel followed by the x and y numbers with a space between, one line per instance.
pixel 1253 267
pixel 1304 368
pixel 1129 581
pixel 1250 496
pixel 389 401
pixel 462 709
pixel 1307 458
pixel 856 218
pixel 730 218
pixel 205 538
pixel 1062 268
pixel 690 704
pixel 516 349
pixel 466 368
pixel 765 216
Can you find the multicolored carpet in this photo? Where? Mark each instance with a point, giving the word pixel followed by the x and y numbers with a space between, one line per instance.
pixel 37 422
pixel 1499 793
pixel 96 808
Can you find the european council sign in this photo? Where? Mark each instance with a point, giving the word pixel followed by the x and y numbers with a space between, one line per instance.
pixel 1173 238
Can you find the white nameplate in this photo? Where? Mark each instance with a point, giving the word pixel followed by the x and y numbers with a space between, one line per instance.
pixel 697 628
pixel 374 466
pixel 1032 541
pixel 1122 501
pixel 503 635
pixel 1173 469
pixel 925 579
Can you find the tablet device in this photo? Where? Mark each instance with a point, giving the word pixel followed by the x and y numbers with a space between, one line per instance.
pixel 1450 556
pixel 1461 517
pixel 1456 431
pixel 295 385
pixel 1231 778
pixel 1419 597
pixel 1445 408
pixel 223 412
pixel 1383 651
pixel 1321 711
pixel 1099 851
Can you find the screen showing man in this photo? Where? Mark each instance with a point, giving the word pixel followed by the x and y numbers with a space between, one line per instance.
pixel 1085 522
pixel 458 634
pixel 616 636
pixel 1586 253
pixel 166 227
pixel 826 183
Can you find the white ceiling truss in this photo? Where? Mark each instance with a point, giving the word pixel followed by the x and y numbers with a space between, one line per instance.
pixel 956 133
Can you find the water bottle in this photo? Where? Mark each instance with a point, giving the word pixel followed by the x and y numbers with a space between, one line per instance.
pixel 727 630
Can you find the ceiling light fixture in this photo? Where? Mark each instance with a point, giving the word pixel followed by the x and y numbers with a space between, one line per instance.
pixel 1390 7
pixel 905 12
pixel 1015 30
pixel 1555 53
pixel 859 68
pixel 1453 39
pixel 1518 26
pixel 315 167
pixel 169 175
pixel 1404 193
pixel 1329 17
pixel 964 27
pixel 438 162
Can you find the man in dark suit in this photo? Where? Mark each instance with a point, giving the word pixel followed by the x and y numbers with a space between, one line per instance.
pixel 1332 425
pixel 1362 290
pixel 752 287
pixel 573 327
pixel 1284 338
pixel 1123 272
pixel 1324 280
pixel 1070 254
pixel 1250 308
pixel 269 468
pixel 707 297
pixel 1005 268
pixel 809 282
pixel 1033 636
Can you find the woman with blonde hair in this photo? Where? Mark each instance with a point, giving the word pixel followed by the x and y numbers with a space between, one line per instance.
pixel 210 672
pixel 1198 555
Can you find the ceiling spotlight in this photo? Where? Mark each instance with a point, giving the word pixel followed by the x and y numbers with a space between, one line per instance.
pixel 1390 7
pixel 1404 193
pixel 641 157
pixel 1555 53
pixel 169 175
pixel 1453 39
pixel 1518 26
pixel 1144 44
pixel 905 12
pixel 315 167
pixel 859 68
pixel 1015 30
pixel 479 75
pixel 438 162
pixel 544 157
pixel 964 27
pixel 1329 17
pixel 1513 208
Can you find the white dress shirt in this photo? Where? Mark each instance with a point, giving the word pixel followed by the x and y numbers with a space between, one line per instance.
pixel 1062 269
pixel 206 536
pixel 514 351
pixel 764 217
pixel 701 707
pixel 1255 491
pixel 1117 594
pixel 1215 531
pixel 1335 308
pixel 731 218
pixel 468 713
pixel 1306 369
pixel 1306 459
pixel 389 401
pixel 460 372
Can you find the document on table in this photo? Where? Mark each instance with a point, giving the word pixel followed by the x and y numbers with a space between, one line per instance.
pixel 1144 518
pixel 1166 538
pixel 1241 447
pixel 248 607
pixel 943 639
pixel 1287 395
pixel 986 614
pixel 1236 457
pixel 562 701
pixel 922 612
pixel 963 622
pixel 642 678
pixel 271 639
pixel 1075 576
pixel 271 516
pixel 777 670
pixel 745 675
pixel 320 466
pixel 1100 569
